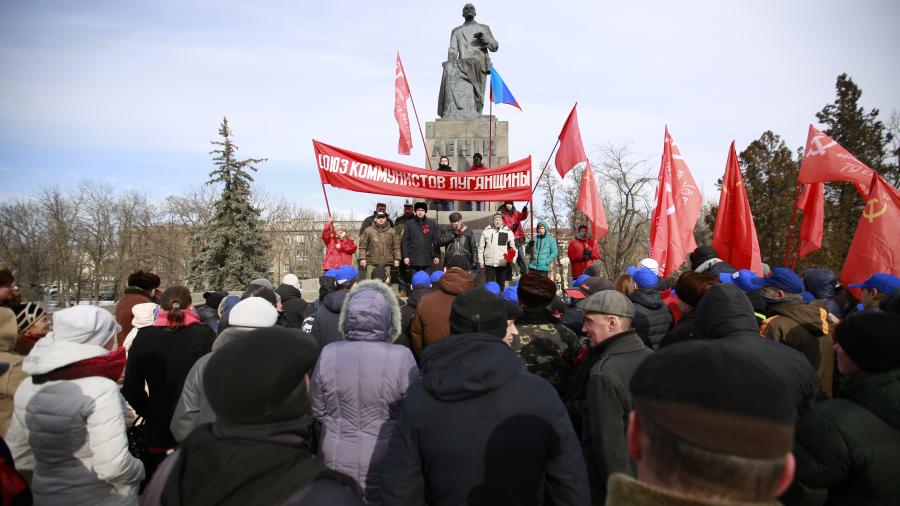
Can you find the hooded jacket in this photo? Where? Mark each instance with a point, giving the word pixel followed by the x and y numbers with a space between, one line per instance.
pixel 807 329
pixel 325 326
pixel 725 313
pixel 822 283
pixel 652 319
pixel 144 314
pixel 542 251
pixel 293 307
pixel 420 242
pixel 479 429
pixel 847 449
pixel 461 244
pixel 71 433
pixel 431 322
pixel 13 377
pixel 379 245
pixel 494 243
pixel 358 383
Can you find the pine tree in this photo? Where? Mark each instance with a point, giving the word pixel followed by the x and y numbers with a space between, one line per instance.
pixel 863 135
pixel 770 176
pixel 231 247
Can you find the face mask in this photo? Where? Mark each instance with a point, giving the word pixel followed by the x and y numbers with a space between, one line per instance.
pixel 443 166
pixel 581 235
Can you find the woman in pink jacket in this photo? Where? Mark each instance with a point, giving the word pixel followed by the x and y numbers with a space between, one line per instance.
pixel 339 247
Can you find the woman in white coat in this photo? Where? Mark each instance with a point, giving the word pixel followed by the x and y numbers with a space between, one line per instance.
pixel 68 426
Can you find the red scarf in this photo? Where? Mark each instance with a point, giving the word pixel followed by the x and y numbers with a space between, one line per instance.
pixel 190 318
pixel 109 366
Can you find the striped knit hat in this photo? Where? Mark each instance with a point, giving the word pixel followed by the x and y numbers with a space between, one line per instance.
pixel 27 314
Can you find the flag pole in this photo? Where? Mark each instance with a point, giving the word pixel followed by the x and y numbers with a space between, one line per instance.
pixel 790 237
pixel 419 124
pixel 534 187
pixel 327 206
pixel 491 125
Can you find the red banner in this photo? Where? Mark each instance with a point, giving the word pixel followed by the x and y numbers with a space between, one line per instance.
pixel 352 171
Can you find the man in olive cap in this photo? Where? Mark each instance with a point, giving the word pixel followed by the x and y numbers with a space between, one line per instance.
pixel 616 350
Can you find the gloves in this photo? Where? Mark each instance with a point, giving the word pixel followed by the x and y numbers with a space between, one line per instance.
pixel 509 255
pixel 586 257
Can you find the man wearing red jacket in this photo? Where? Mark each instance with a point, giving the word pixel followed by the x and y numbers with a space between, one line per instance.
pixel 582 251
pixel 339 247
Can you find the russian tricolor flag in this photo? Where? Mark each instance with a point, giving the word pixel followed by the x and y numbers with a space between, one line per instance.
pixel 500 93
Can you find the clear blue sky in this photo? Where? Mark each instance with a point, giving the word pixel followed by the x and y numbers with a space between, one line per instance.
pixel 132 92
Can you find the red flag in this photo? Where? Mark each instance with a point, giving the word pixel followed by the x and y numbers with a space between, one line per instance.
pixel 876 244
pixel 571 150
pixel 826 160
pixel 734 237
pixel 812 202
pixel 590 204
pixel 401 95
pixel 678 204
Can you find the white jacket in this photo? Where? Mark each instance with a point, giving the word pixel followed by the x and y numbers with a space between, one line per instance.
pixel 71 433
pixel 490 249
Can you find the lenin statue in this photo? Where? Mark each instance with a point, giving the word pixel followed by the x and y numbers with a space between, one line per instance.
pixel 467 65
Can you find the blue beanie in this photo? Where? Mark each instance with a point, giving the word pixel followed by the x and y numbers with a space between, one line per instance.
pixel 492 287
pixel 579 280
pixel 645 278
pixel 421 278
pixel 511 293
pixel 436 276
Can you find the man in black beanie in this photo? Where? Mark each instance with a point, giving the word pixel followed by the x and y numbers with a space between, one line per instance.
pixel 479 428
pixel 256 452
pixel 848 449
pixel 709 427
pixel 705 259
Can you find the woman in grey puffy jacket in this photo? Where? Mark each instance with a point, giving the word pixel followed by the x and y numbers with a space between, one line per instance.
pixel 358 384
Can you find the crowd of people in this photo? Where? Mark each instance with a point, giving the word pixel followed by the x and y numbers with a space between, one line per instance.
pixel 713 386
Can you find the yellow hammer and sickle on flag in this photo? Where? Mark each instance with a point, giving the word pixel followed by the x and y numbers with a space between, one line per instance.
pixel 871 212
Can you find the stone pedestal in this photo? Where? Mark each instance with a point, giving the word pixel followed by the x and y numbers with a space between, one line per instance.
pixel 459 139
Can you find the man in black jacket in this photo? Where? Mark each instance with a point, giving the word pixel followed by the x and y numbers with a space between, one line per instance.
pixel 419 245
pixel 725 313
pixel 705 259
pixel 458 239
pixel 652 319
pixel 478 428
pixel 293 307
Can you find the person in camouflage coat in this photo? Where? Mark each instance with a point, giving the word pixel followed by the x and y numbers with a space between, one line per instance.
pixel 547 347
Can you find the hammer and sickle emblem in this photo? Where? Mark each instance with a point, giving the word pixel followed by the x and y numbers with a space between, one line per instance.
pixel 871 212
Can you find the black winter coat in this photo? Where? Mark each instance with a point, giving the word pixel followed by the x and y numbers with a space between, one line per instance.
pixel 408 310
pixel 325 327
pixel 162 359
pixel 652 319
pixel 420 243
pixel 848 449
pixel 478 429
pixel 685 330
pixel 726 313
pixel 293 307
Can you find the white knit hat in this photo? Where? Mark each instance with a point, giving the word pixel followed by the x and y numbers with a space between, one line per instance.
pixel 292 280
pixel 253 312
pixel 651 264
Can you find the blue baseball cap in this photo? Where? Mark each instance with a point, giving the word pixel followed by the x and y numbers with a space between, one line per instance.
pixel 345 274
pixel 421 278
pixel 645 278
pixel 492 287
pixel 511 293
pixel 881 281
pixel 436 276
pixel 331 273
pixel 631 270
pixel 781 278
pixel 579 280
pixel 743 279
